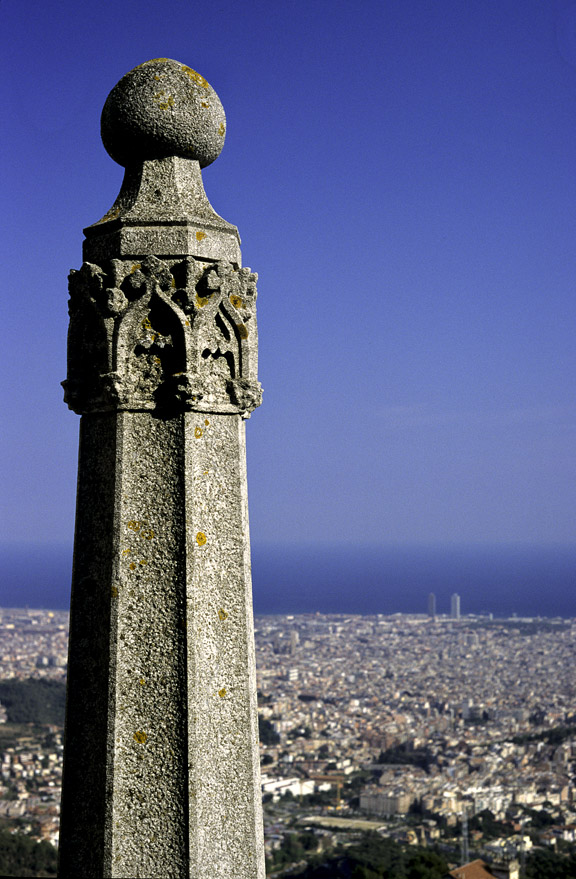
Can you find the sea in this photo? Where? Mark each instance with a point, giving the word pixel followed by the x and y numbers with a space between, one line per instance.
pixel 526 581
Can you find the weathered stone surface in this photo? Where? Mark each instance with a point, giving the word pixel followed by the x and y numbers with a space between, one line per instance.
pixel 161 773
pixel 163 336
pixel 163 108
pixel 162 209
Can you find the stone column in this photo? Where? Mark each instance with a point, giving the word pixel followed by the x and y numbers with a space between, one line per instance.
pixel 161 766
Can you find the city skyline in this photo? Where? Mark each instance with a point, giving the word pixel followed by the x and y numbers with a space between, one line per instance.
pixel 403 178
pixel 384 717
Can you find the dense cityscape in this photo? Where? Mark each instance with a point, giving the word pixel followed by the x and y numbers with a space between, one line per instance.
pixel 456 734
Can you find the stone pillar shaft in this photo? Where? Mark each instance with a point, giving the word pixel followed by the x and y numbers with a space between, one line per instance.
pixel 161 773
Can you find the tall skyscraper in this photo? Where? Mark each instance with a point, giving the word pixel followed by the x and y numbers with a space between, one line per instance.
pixel 455 606
pixel 432 605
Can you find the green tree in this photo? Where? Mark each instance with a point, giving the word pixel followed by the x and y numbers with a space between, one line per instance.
pixel 544 864
pixel 20 855
pixel 377 858
pixel 266 732
pixel 34 701
pixel 290 852
pixel 540 819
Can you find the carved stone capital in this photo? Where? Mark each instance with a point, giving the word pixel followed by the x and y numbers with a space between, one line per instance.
pixel 246 394
pixel 162 335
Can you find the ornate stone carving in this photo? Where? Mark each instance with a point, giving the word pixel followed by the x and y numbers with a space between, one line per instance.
pixel 161 762
pixel 162 335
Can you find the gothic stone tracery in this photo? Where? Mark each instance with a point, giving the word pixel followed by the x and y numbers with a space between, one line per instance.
pixel 162 335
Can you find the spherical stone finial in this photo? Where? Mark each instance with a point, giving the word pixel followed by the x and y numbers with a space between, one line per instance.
pixel 163 108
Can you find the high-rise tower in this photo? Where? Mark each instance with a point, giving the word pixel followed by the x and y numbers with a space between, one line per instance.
pixel 455 606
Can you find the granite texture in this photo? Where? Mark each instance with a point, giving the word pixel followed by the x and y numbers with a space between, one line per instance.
pixel 163 108
pixel 161 767
pixel 225 798
pixel 162 209
pixel 163 336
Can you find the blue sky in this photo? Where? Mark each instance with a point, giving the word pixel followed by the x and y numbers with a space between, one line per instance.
pixel 403 175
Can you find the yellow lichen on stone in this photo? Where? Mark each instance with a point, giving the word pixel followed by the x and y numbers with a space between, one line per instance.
pixel 222 614
pixel 195 77
pixel 146 325
pixel 111 215
pixel 143 562
pixel 222 692
pixel 135 268
pixel 242 331
pixel 140 737
pixel 222 129
pixel 200 235
pixel 114 591
pixel 206 422
pixel 126 551
pixel 205 104
pixel 201 300
pixel 132 566
pixel 142 682
pixel 151 61
pixel 142 527
pixel 198 432
pixel 164 104
pixel 236 301
pixel 201 538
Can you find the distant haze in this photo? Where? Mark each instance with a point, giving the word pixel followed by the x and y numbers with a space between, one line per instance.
pixel 528 581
